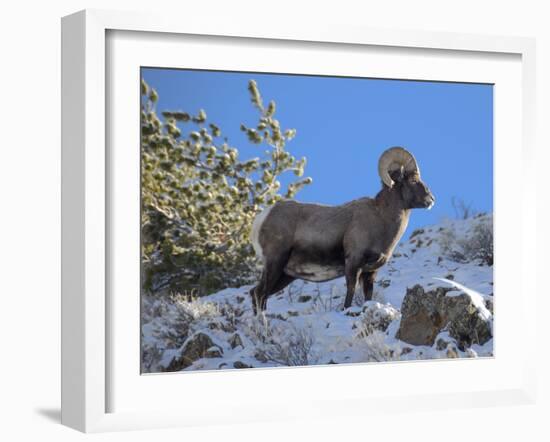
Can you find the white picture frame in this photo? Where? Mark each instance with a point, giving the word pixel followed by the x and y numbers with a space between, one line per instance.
pixel 86 210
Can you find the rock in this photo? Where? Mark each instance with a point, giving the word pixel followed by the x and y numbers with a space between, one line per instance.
pixel 224 326
pixel 213 352
pixel 198 346
pixel 444 341
pixel 426 314
pixel 228 327
pixel 304 298
pixel 235 340
pixel 452 353
pixel 377 316
pixel 260 356
pixel 239 364
pixel 278 316
pixel 442 344
pixel 353 311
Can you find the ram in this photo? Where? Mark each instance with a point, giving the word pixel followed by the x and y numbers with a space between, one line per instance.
pixel 318 243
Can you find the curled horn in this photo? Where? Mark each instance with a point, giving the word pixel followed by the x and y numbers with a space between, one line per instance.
pixel 393 159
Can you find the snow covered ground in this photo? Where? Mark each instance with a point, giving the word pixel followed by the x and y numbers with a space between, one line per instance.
pixel 306 325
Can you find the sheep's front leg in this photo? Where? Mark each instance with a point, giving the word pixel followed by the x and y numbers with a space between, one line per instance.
pixel 352 270
pixel 367 280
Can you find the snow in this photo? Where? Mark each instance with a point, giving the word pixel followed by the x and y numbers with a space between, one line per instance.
pixel 305 324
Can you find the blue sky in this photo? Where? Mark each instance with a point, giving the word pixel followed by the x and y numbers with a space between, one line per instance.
pixel 344 124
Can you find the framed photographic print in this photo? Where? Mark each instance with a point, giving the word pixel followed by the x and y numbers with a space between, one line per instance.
pixel 249 214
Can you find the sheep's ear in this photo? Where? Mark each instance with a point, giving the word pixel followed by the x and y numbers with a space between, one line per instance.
pixel 398 174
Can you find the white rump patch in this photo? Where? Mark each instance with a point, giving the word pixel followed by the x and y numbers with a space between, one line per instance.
pixel 255 234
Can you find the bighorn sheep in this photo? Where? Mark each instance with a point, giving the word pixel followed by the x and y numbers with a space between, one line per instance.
pixel 319 243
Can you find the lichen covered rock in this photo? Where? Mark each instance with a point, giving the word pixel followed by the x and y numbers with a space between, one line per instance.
pixel 426 314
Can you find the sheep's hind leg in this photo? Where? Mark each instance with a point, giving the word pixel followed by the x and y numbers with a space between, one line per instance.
pixel 255 299
pixel 273 279
pixel 283 281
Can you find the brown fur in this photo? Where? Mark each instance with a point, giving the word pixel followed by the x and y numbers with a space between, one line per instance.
pixel 313 242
